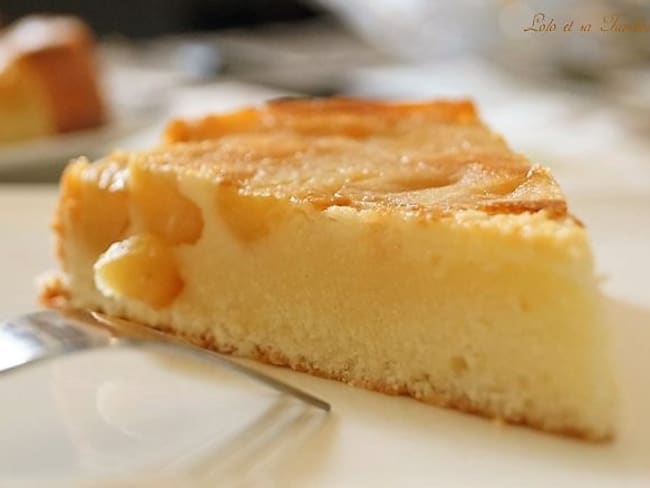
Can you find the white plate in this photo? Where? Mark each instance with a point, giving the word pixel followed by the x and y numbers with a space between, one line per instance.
pixel 108 417
pixel 56 150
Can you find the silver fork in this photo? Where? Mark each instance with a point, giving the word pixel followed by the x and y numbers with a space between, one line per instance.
pixel 48 334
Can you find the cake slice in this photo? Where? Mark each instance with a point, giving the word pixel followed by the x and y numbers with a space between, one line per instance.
pixel 400 247
pixel 48 83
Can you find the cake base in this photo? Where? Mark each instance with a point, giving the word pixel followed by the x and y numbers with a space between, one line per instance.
pixel 53 294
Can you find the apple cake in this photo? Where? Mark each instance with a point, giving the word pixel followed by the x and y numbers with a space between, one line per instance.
pixel 400 247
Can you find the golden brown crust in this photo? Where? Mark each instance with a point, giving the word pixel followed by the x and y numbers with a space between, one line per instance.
pixel 430 158
pixel 427 160
pixel 59 52
pixel 349 117
pixel 54 294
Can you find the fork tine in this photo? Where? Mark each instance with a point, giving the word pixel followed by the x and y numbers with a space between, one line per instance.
pixel 213 357
pixel 160 340
pixel 39 336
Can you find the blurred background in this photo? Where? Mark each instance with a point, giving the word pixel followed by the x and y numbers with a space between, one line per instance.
pixel 576 99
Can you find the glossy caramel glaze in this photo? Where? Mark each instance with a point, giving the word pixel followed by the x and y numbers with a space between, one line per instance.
pixel 427 160
pixel 433 157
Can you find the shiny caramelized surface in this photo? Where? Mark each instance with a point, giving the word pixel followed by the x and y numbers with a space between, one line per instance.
pixel 434 157
pixel 428 159
pixel 346 117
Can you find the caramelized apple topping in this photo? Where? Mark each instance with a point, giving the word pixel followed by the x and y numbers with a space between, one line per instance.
pixel 142 267
pixel 429 159
pixel 249 217
pixel 96 199
pixel 161 208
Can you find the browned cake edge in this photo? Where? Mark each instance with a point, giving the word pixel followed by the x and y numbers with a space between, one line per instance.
pixel 456 111
pixel 54 294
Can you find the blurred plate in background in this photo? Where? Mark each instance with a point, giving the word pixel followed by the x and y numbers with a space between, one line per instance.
pixel 56 150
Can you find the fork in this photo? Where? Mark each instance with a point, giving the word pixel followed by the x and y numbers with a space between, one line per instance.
pixel 45 335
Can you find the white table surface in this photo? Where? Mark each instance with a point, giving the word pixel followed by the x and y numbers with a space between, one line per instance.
pixel 126 415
